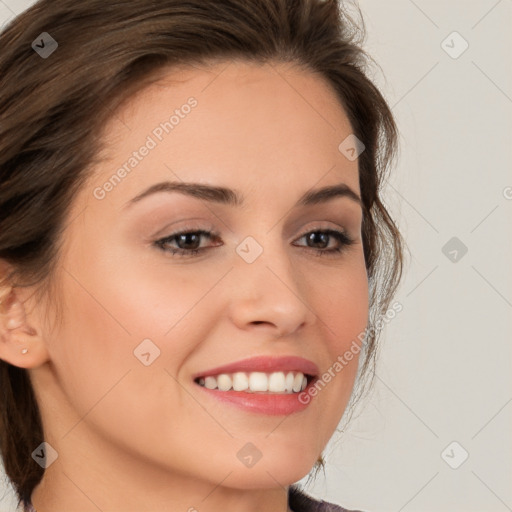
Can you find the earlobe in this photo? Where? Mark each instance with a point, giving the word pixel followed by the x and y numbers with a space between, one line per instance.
pixel 20 343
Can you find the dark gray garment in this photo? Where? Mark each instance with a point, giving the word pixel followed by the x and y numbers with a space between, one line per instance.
pixel 301 502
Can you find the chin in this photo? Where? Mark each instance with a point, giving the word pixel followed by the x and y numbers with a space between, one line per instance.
pixel 279 470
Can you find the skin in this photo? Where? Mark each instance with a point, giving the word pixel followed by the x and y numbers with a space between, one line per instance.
pixel 133 437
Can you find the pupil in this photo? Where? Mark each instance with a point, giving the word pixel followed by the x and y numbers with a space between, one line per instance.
pixel 185 237
pixel 322 235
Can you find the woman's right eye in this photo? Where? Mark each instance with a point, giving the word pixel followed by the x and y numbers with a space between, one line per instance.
pixel 185 238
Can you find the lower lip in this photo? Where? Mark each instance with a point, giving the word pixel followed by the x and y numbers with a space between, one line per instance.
pixel 274 404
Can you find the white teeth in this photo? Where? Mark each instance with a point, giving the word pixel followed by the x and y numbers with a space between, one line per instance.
pixel 258 381
pixel 240 381
pixel 210 382
pixel 224 382
pixel 275 382
pixel 289 382
pixel 297 382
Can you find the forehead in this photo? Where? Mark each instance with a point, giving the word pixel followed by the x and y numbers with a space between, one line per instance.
pixel 237 81
pixel 239 124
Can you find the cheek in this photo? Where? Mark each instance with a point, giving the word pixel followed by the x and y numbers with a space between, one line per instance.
pixel 350 323
pixel 110 310
pixel 94 347
pixel 349 313
pixel 342 308
pixel 133 292
pixel 341 303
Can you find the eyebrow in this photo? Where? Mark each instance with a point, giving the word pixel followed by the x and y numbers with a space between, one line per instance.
pixel 230 197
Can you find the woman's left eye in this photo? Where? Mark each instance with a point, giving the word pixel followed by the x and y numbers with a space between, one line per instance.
pixel 188 242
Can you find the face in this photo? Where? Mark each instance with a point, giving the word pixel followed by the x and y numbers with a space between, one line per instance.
pixel 149 314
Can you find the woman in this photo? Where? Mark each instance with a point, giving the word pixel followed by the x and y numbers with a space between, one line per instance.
pixel 193 250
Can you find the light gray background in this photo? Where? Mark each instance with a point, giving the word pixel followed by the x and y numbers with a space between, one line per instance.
pixel 445 369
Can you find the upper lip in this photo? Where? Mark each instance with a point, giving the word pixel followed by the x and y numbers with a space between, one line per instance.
pixel 264 364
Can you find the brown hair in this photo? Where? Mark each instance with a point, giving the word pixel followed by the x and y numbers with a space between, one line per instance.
pixel 52 111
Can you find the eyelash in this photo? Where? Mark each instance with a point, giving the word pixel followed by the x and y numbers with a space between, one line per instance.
pixel 342 237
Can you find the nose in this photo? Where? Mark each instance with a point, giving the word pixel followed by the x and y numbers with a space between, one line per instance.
pixel 270 294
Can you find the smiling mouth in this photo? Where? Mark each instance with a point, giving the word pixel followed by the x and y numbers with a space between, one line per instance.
pixel 284 382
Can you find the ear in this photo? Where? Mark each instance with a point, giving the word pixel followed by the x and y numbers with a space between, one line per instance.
pixel 21 343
